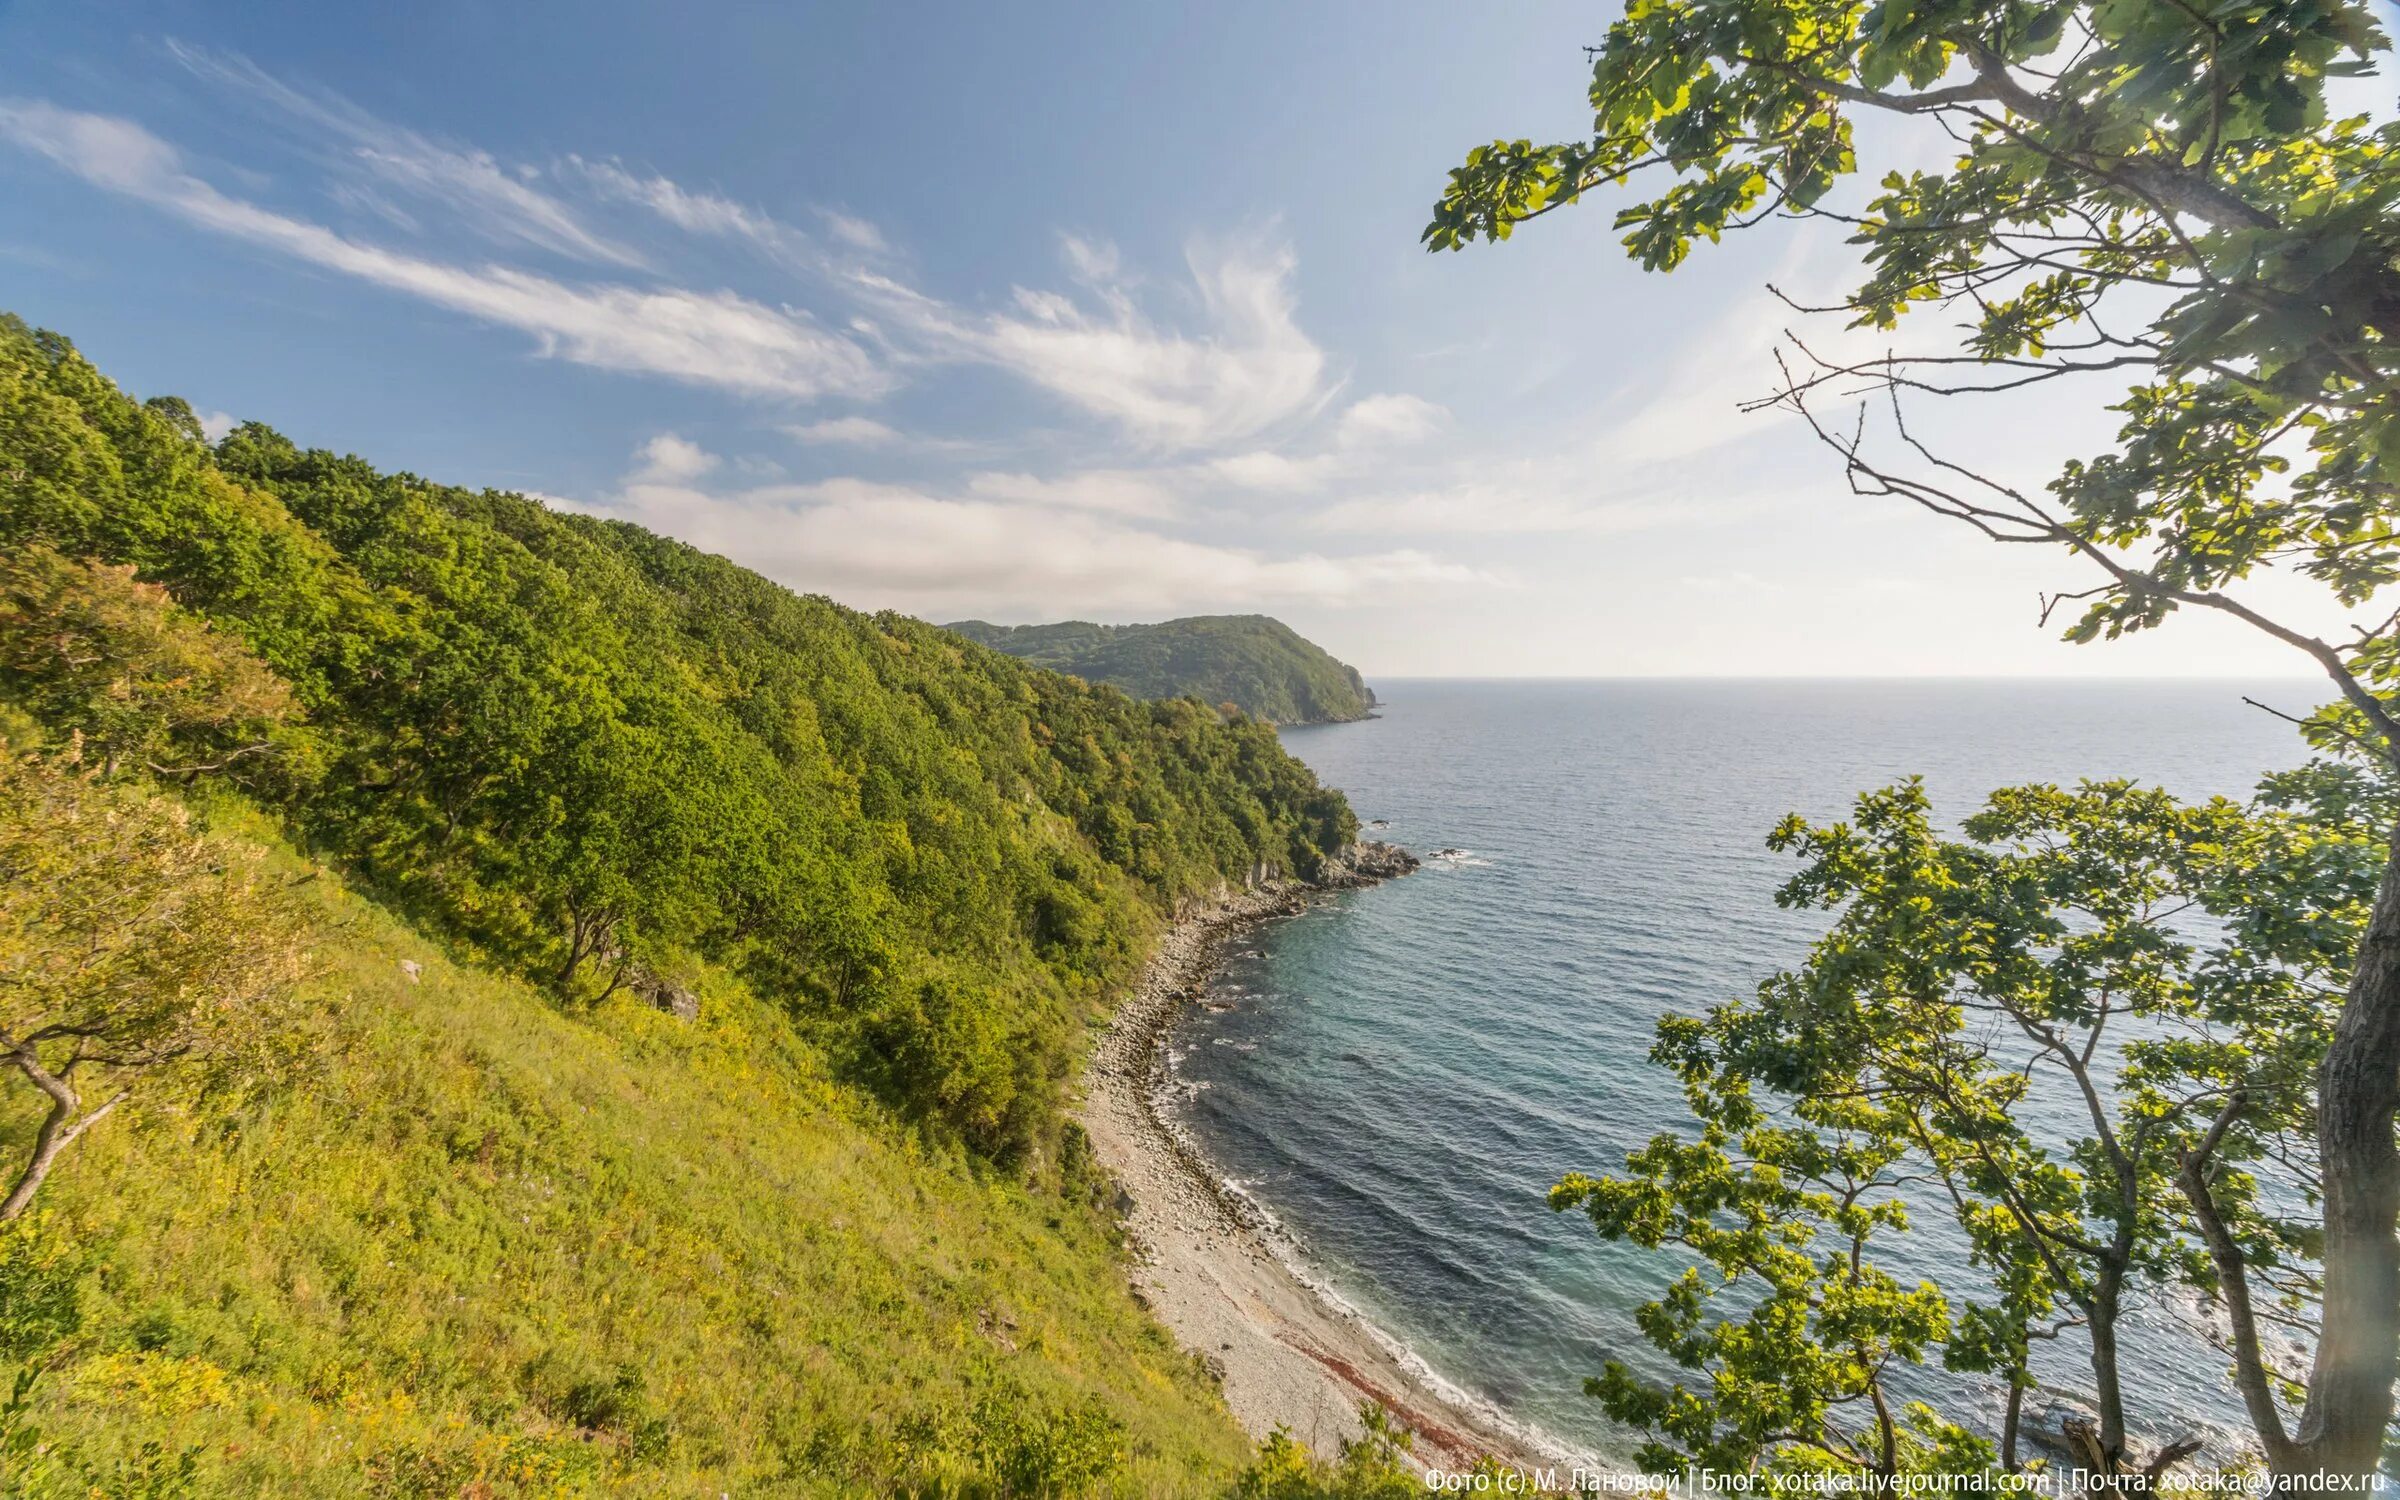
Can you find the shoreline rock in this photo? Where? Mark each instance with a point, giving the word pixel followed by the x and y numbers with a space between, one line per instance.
pixel 1366 862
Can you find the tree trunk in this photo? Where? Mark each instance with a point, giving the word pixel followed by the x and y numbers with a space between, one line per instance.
pixel 2012 1424
pixel 2233 1287
pixel 59 1129
pixel 587 934
pixel 47 1144
pixel 2349 1409
pixel 2108 1389
pixel 1887 1437
pixel 566 971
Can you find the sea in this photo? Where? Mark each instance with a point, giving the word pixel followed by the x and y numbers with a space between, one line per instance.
pixel 1398 1076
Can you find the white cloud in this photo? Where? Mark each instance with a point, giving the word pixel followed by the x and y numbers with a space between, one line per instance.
pixel 1530 507
pixel 1392 418
pixel 1691 399
pixel 1483 509
pixel 858 432
pixel 1262 470
pixel 482 195
pixel 215 424
pixel 858 234
pixel 1095 263
pixel 1695 400
pixel 704 338
pixel 1251 369
pixel 670 459
pixel 1011 544
pixel 694 212
pixel 488 198
pixel 1119 492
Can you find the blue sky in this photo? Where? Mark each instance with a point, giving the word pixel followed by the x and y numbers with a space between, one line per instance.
pixel 1022 312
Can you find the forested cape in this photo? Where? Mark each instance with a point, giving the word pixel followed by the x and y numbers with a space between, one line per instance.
pixel 1251 663
pixel 596 756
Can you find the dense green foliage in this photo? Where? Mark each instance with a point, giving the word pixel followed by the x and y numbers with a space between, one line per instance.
pixel 2157 196
pixel 596 753
pixel 1258 665
pixel 1973 994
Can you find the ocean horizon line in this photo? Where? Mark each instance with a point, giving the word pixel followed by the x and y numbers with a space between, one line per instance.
pixel 2063 678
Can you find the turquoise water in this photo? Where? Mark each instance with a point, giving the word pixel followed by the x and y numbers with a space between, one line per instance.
pixel 1399 1075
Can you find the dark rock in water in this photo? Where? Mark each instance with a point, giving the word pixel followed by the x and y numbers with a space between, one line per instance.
pixel 2045 1419
pixel 1377 823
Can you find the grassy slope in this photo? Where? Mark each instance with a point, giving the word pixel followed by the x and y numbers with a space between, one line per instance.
pixel 424 1266
pixel 1259 664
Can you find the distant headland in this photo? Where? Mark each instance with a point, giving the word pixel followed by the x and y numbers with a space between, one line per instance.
pixel 1253 662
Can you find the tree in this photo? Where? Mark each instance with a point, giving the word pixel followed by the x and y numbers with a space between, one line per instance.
pixel 1781 1211
pixel 1372 1466
pixel 130 944
pixel 90 649
pixel 177 413
pixel 2038 969
pixel 2143 191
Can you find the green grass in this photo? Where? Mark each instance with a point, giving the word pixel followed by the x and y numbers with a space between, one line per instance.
pixel 482 1246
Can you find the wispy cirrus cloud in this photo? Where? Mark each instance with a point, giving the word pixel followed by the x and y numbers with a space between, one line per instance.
pixel 1248 368
pixel 704 338
pixel 1238 367
pixel 694 211
pixel 1366 429
pixel 495 201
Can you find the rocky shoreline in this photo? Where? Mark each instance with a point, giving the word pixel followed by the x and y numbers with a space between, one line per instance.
pixel 1201 1258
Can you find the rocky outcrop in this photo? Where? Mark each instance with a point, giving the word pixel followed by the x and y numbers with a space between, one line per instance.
pixel 1268 890
pixel 665 994
pixel 1364 863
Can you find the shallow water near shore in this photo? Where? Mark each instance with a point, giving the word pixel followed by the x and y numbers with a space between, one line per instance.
pixel 1400 1074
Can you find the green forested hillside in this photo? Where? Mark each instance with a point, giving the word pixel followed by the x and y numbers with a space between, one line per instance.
pixel 582 747
pixel 1259 665
pixel 495 1224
